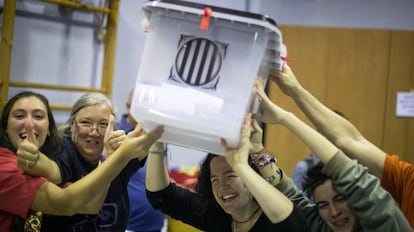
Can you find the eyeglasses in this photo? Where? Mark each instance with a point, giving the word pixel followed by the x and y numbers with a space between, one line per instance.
pixel 87 126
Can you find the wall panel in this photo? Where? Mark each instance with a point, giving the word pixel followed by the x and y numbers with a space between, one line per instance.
pixel 399 132
pixel 347 69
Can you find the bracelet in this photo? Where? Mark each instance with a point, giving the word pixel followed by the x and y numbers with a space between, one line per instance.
pixel 267 167
pixel 272 174
pixel 159 152
pixel 262 159
pixel 102 157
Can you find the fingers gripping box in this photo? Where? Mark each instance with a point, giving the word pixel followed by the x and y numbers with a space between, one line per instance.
pixel 198 70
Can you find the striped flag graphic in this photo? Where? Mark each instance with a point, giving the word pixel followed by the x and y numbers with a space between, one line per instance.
pixel 198 61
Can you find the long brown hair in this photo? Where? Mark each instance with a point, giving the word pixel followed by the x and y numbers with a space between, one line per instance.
pixel 53 144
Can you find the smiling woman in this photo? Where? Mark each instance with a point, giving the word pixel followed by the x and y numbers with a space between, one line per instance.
pixel 230 195
pixel 88 138
pixel 28 132
pixel 87 130
pixel 29 109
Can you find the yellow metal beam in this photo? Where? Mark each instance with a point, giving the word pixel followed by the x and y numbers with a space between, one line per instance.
pixel 52 87
pixel 7 42
pixel 79 6
pixel 110 48
pixel 61 107
pixel 9 11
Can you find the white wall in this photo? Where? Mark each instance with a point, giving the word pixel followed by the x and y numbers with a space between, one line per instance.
pixel 379 14
pixel 57 48
pixel 54 48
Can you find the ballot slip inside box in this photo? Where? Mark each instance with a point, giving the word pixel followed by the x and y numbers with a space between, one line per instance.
pixel 198 70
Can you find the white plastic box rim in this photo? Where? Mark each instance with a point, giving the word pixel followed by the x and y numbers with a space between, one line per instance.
pixel 279 50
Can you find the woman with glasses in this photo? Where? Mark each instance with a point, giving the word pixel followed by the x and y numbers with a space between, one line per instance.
pixel 88 140
pixel 27 128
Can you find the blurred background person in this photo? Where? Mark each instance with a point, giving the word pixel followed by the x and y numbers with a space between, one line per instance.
pixel 142 216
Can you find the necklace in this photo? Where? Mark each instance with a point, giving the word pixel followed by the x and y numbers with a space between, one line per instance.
pixel 234 226
pixel 248 219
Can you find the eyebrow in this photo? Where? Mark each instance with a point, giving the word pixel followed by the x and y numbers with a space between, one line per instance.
pixel 224 173
pixel 339 196
pixel 25 110
pixel 229 171
pixel 334 198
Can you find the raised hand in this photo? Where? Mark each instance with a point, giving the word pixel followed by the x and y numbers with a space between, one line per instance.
pixel 28 150
pixel 286 80
pixel 272 113
pixel 235 156
pixel 138 142
pixel 256 137
pixel 112 139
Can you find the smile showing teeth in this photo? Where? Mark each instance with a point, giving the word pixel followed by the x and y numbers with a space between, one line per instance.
pixel 228 197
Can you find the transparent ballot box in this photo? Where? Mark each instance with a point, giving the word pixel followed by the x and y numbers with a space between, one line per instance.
pixel 198 70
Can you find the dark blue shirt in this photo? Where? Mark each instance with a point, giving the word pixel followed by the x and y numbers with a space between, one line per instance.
pixel 115 211
pixel 142 216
